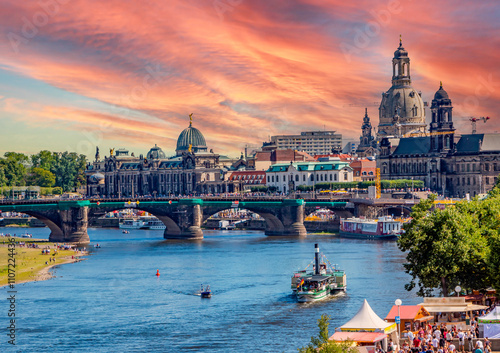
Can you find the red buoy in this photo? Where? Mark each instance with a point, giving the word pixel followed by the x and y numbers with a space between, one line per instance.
pixel 157 272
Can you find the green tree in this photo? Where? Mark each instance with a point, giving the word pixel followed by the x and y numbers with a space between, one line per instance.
pixel 41 177
pixel 69 169
pixel 57 190
pixel 14 166
pixel 43 159
pixel 321 344
pixel 445 248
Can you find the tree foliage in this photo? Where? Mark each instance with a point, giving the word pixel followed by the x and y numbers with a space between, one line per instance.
pixel 41 177
pixel 455 246
pixel 321 344
pixel 46 169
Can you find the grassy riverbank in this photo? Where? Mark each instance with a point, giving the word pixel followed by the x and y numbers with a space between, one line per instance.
pixel 31 264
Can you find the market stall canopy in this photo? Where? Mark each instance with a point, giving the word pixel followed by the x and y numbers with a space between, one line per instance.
pixel 359 337
pixel 493 317
pixel 366 320
pixel 449 305
pixel 409 312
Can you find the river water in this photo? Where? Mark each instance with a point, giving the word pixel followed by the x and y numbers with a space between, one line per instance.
pixel 113 302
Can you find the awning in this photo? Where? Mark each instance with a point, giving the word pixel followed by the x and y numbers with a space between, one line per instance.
pixel 362 337
pixel 453 308
pixel 425 318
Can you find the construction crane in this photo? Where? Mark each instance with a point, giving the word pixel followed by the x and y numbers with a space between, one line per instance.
pixel 473 122
pixel 378 187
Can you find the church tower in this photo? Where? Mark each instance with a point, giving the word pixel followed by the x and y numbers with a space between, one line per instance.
pixel 366 139
pixel 442 130
pixel 401 110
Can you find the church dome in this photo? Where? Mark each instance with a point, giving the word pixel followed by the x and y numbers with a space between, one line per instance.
pixel 400 52
pixel 191 136
pixel 441 93
pixel 155 153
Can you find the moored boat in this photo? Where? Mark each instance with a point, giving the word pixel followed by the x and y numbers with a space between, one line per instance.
pixel 384 228
pixel 131 223
pixel 323 281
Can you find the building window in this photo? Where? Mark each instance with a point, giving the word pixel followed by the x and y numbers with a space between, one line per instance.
pixel 268 179
pixel 296 177
pixel 335 177
pixel 284 177
pixel 487 181
pixel 345 176
pixel 304 177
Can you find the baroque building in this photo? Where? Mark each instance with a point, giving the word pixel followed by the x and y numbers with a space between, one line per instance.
pixel 401 110
pixel 469 166
pixel 194 169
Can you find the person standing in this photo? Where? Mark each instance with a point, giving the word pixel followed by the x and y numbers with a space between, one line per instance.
pixel 471 343
pixel 487 345
pixel 461 340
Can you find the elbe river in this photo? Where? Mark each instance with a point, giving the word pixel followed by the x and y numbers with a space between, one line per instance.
pixel 113 302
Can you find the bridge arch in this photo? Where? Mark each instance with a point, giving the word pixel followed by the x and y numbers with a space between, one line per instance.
pixel 52 221
pixel 171 226
pixel 274 226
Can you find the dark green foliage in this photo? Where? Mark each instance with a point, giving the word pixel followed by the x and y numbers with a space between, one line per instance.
pixel 65 170
pixel 459 245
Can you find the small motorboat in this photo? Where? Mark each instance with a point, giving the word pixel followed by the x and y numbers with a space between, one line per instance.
pixel 205 292
pixel 125 232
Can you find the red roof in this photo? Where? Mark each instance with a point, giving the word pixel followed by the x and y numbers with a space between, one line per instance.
pixel 407 312
pixel 370 337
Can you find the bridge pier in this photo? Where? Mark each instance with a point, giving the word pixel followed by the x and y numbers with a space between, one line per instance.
pixel 187 221
pixel 291 219
pixel 73 225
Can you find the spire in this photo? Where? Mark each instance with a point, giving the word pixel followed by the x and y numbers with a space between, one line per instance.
pixel 191 119
pixel 400 41
pixel 440 84
pixel 366 111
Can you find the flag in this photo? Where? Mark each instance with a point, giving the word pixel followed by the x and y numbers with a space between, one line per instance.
pixel 301 283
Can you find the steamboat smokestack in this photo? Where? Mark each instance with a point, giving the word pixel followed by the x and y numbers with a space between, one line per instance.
pixel 316 259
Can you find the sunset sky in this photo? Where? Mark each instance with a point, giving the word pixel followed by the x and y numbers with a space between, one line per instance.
pixel 75 74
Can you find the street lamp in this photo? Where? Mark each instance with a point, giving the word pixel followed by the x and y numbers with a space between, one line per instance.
pixel 398 302
pixel 458 289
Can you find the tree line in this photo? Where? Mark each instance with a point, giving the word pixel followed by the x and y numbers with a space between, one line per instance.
pixel 65 170
pixel 455 246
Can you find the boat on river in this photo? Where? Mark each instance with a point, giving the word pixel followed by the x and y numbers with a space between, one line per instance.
pixel 132 223
pixel 384 228
pixel 323 281
pixel 205 292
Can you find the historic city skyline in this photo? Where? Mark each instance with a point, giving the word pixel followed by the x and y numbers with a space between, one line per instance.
pixel 75 75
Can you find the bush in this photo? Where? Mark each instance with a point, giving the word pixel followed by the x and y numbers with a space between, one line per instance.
pixel 57 190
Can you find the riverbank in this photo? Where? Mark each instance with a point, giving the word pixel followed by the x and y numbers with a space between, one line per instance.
pixel 30 264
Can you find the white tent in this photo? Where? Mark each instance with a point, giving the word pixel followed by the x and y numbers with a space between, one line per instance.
pixel 367 320
pixel 491 323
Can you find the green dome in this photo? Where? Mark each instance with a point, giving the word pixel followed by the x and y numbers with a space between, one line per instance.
pixel 191 136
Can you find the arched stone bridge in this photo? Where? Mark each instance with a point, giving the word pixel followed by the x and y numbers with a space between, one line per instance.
pixel 68 220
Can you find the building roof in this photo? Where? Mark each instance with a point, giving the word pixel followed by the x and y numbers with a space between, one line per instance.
pixel 413 145
pixel 190 136
pixel 155 153
pixel 309 166
pixel 362 337
pixel 406 312
pixel 475 143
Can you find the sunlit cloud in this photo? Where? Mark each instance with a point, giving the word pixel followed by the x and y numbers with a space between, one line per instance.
pixel 246 70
